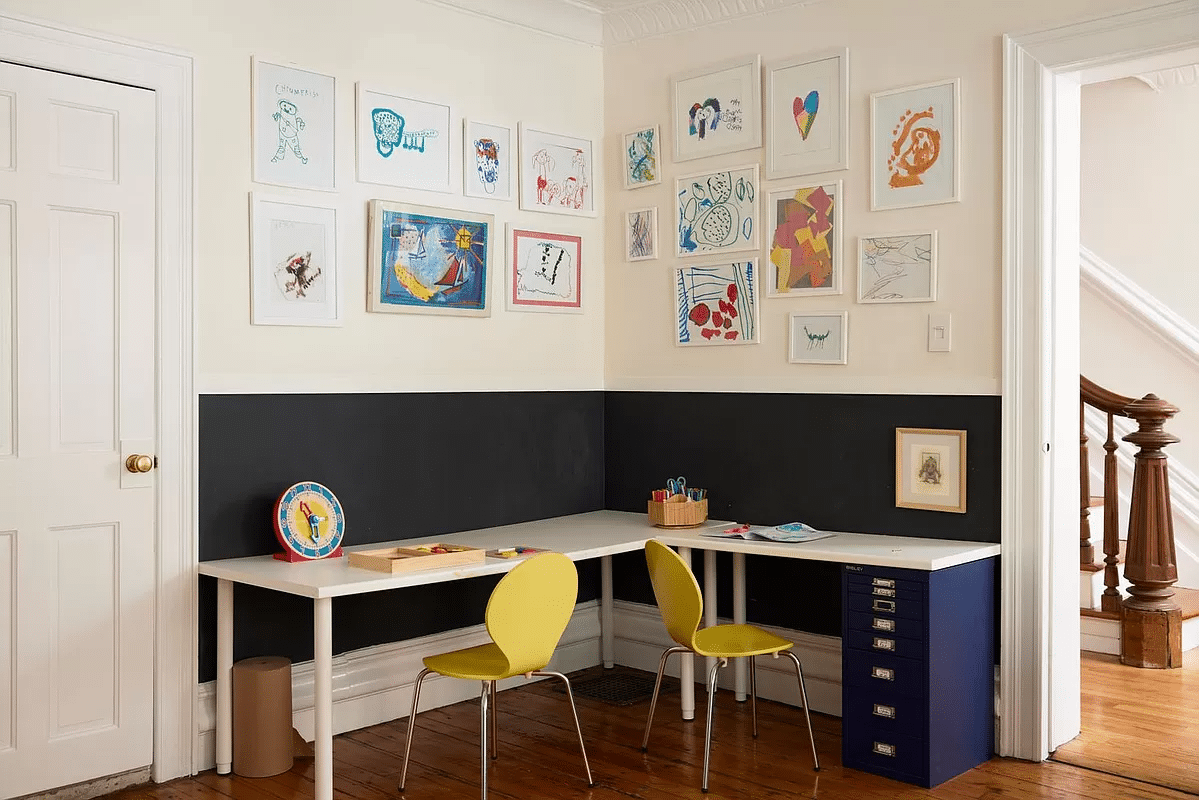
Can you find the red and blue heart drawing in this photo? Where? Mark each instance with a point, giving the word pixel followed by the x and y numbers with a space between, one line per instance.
pixel 805 112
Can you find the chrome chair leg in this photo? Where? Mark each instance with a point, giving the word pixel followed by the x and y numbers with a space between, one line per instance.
pixel 711 705
pixel 412 724
pixel 494 736
pixel 753 692
pixel 484 711
pixel 575 713
pixel 803 693
pixel 653 703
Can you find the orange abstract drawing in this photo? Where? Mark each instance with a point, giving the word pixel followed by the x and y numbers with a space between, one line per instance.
pixel 914 149
pixel 802 247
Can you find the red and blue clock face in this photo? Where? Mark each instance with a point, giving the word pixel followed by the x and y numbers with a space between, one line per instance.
pixel 309 522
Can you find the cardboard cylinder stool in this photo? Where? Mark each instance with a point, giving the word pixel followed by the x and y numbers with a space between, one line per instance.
pixel 262 740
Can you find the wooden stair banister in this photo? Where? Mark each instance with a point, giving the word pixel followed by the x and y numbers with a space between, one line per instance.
pixel 1112 405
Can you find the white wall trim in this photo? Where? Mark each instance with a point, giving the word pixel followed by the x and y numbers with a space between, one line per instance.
pixel 1148 313
pixel 575 22
pixel 1162 79
pixel 650 18
pixel 170 74
pixel 291 383
pixel 1035 63
pixel 807 383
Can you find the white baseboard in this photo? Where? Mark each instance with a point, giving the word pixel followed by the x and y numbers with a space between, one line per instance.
pixel 374 684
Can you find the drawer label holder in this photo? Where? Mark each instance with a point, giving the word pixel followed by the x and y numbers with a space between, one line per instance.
pixel 887 712
pixel 887 582
pixel 881 592
pixel 883 624
pixel 884 749
pixel 884 606
pixel 882 673
pixel 883 643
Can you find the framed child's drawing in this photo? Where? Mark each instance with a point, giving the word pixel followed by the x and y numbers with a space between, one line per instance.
pixel 488 158
pixel 403 141
pixel 556 173
pixel 716 304
pixel 897 268
pixel 819 337
pixel 545 271
pixel 293 263
pixel 642 157
pixel 915 137
pixel 807 114
pixel 804 224
pixel 641 234
pixel 716 212
pixel 292 126
pixel 717 108
pixel 427 260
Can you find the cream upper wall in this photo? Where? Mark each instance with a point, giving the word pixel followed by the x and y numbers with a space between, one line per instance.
pixel 1139 173
pixel 890 45
pixel 488 71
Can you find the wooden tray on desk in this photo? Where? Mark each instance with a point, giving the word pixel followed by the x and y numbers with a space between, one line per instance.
pixel 678 512
pixel 407 559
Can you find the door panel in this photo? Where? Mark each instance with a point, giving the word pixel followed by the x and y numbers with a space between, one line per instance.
pixel 76 549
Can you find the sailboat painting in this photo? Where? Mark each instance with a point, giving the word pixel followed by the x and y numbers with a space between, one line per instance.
pixel 429 260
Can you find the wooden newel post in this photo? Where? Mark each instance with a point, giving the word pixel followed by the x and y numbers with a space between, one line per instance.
pixel 1151 633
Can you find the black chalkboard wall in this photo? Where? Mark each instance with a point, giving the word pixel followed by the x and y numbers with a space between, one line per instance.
pixel 421 464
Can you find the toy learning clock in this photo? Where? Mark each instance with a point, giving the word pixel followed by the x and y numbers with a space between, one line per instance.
pixel 309 523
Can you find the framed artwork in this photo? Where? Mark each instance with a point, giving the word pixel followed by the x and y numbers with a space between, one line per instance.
pixel 807 114
pixel 402 141
pixel 545 271
pixel 897 268
pixel 487 158
pixel 428 260
pixel 292 126
pixel 805 240
pixel 819 337
pixel 915 135
pixel 716 304
pixel 642 157
pixel 293 263
pixel 717 109
pixel 641 234
pixel 556 173
pixel 717 212
pixel 930 469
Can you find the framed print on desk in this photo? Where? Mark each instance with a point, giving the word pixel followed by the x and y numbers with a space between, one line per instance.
pixel 930 469
pixel 293 263
pixel 915 138
pixel 717 108
pixel 807 114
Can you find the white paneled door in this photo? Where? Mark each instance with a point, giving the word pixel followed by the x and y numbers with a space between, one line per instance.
pixel 77 380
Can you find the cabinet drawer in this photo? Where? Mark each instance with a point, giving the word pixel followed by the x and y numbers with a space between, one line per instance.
pixel 877 642
pixel 891 754
pixel 884 672
pixel 867 582
pixel 907 607
pixel 882 711
pixel 885 625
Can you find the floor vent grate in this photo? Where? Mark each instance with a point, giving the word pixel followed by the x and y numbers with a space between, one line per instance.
pixel 618 689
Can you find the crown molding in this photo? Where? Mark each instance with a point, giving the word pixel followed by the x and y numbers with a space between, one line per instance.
pixel 1162 79
pixel 651 18
pixel 573 21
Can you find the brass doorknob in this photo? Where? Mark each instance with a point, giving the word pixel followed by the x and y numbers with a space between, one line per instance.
pixel 139 463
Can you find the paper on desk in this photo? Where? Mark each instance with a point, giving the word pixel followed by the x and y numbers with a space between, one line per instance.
pixel 790 532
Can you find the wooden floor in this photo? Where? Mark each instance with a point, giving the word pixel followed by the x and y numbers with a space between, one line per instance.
pixel 539 760
pixel 1143 723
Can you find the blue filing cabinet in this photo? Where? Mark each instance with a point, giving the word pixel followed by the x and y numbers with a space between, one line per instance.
pixel 917 661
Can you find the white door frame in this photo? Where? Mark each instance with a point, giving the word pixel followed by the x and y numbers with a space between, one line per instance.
pixel 169 74
pixel 1043 73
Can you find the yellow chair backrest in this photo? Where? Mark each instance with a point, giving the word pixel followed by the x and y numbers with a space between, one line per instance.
pixel 529 609
pixel 679 599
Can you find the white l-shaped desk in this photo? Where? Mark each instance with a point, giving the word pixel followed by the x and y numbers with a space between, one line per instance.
pixel 598 534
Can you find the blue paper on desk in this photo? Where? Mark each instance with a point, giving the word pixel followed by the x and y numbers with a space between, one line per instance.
pixel 790 532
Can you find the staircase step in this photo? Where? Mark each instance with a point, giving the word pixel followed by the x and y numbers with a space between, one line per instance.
pixel 1188 599
pixel 1099 565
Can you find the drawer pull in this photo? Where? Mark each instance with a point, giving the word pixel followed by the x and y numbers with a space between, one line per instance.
pixel 883 624
pixel 885 606
pixel 881 710
pixel 884 749
pixel 882 673
pixel 880 591
pixel 882 643
pixel 888 582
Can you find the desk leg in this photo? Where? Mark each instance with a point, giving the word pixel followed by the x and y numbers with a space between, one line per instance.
pixel 224 677
pixel 322 646
pixel 739 619
pixel 606 632
pixel 709 601
pixel 687 665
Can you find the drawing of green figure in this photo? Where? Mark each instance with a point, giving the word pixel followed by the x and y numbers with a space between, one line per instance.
pixel 290 125
pixel 930 470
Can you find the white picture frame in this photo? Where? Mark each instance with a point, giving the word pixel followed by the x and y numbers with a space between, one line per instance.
pixel 716 212
pixel 807 114
pixel 641 157
pixel 641 234
pixel 488 160
pixel 915 146
pixel 545 271
pixel 818 337
pixel 897 267
pixel 556 173
pixel 294 277
pixel 717 108
pixel 402 141
pixel 805 252
pixel 728 295
pixel 293 114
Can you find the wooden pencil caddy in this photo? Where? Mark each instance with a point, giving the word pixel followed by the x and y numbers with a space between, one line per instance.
pixel 678 512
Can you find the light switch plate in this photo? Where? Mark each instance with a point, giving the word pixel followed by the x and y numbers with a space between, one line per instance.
pixel 940 332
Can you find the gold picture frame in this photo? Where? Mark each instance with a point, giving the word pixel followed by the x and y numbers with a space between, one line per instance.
pixel 930 469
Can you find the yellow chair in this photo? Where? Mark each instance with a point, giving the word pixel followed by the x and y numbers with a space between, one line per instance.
pixel 526 616
pixel 682 606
